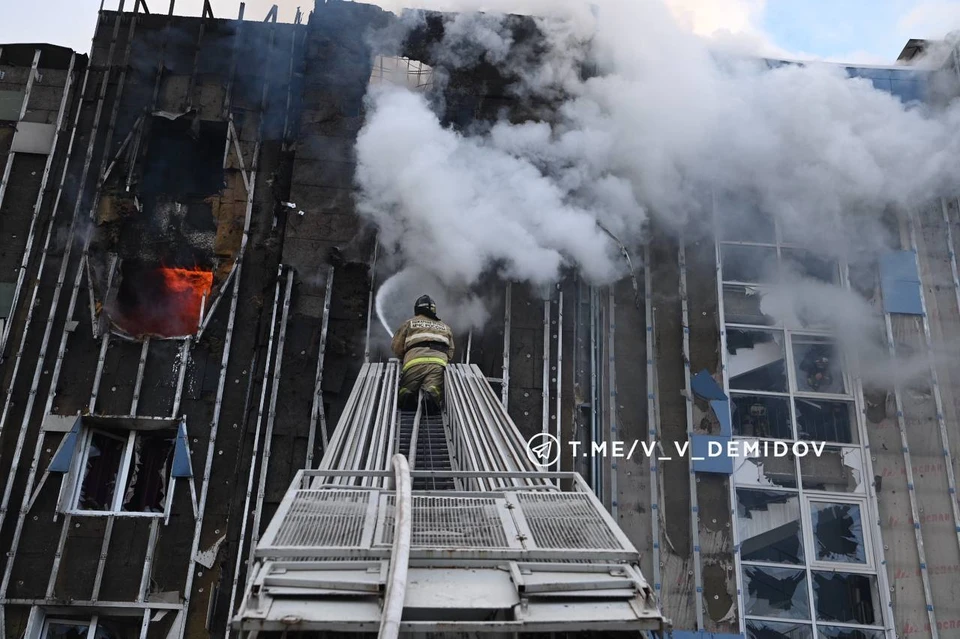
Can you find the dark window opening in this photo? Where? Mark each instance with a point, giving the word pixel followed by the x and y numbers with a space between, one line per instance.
pixel 147 475
pixel 66 630
pixel 184 157
pixel 749 264
pixel 165 301
pixel 103 461
pixel 761 416
pixel 826 421
pixel 845 598
pixel 776 592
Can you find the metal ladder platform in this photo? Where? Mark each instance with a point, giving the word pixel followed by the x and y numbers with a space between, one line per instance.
pixel 468 536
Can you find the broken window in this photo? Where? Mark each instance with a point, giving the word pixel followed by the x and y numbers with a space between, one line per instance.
pixel 739 219
pixel 835 470
pixel 769 525
pixel 64 629
pixel 757 360
pixel 767 471
pixel 776 592
pixel 161 300
pixel 827 421
pixel 149 469
pixel 184 158
pixel 742 305
pixel 138 462
pixel 757 629
pixel 846 598
pixel 761 416
pixel 808 265
pixel 817 364
pixel 100 470
pixel 838 632
pixel 838 532
pixel 748 264
pixel 413 74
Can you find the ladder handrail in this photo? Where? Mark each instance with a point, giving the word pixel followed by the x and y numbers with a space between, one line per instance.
pixel 400 557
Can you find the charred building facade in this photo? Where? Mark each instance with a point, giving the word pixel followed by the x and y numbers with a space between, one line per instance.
pixel 187 300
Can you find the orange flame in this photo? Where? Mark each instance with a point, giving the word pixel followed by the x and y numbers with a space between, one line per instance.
pixel 175 301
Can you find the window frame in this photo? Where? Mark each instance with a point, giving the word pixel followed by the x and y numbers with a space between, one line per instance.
pixel 78 473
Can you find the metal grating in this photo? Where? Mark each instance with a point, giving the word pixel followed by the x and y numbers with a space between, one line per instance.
pixel 324 519
pixel 450 522
pixel 566 521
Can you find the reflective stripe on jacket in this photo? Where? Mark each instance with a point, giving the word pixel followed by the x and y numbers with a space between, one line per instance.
pixel 411 339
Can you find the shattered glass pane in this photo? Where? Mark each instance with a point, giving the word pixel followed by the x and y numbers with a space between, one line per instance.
pixel 838 532
pixel 808 265
pixel 149 469
pixel 846 598
pixel 66 630
pixel 118 628
pixel 757 360
pixel 836 470
pixel 741 305
pixel 100 474
pixel 826 421
pixel 761 416
pixel 748 264
pixel 757 629
pixel 769 525
pixel 838 632
pixel 776 592
pixel 817 363
pixel 764 470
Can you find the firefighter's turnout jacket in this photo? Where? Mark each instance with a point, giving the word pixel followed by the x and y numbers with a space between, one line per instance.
pixel 426 346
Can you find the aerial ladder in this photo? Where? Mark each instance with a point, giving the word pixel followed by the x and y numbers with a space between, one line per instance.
pixel 438 522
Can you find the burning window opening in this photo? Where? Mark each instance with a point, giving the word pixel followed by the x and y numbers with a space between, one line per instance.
pixel 161 301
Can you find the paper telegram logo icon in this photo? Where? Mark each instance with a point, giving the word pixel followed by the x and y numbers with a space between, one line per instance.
pixel 543 449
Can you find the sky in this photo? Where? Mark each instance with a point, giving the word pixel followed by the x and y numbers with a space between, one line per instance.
pixel 862 31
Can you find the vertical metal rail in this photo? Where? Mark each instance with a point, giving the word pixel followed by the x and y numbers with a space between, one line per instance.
pixel 545 395
pixel 559 417
pixel 51 316
pixel 271 417
pixel 505 387
pixel 935 383
pixel 25 261
pixel 141 368
pixel 373 279
pixel 688 396
pixel 256 441
pixel 596 471
pixel 950 246
pixel 653 419
pixel 181 375
pixel 23 111
pixel 612 399
pixel 911 493
pixel 738 567
pixel 317 412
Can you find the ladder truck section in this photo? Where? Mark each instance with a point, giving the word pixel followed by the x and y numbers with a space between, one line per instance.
pixel 440 522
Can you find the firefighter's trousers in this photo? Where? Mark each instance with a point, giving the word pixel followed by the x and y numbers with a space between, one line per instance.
pixel 427 376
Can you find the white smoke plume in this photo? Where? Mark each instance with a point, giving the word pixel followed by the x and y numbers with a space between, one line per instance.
pixel 667 123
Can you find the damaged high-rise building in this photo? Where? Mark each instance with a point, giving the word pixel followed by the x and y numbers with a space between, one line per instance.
pixel 187 303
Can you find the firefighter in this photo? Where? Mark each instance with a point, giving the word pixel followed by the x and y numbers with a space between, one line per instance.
pixel 425 345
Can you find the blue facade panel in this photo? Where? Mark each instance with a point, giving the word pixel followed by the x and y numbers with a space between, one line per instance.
pixel 900 283
pixel 710 459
